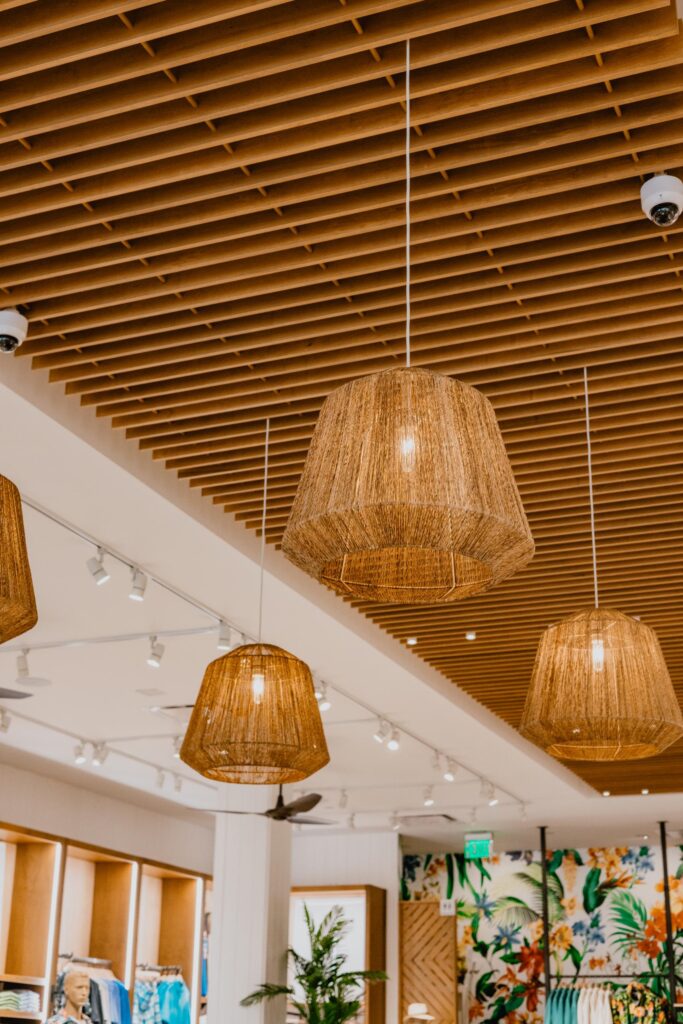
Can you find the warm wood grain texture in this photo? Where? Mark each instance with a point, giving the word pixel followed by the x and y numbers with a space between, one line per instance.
pixel 110 914
pixel 30 909
pixel 177 931
pixel 201 212
pixel 428 959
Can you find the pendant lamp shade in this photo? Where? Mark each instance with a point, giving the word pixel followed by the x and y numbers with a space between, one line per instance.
pixel 17 601
pixel 407 495
pixel 601 690
pixel 256 719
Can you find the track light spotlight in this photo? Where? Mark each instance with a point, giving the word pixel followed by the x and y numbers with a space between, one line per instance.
pixel 100 754
pixel 436 761
pixel 395 822
pixel 343 799
pixel 524 813
pixel 138 584
pixel 161 778
pixel 177 744
pixel 156 653
pixel 324 703
pixel 352 821
pixel 5 720
pixel 177 783
pixel 492 798
pixel 23 672
pixel 449 771
pixel 97 569
pixel 429 797
pixel 228 638
pixel 382 731
pixel 80 756
pixel 394 741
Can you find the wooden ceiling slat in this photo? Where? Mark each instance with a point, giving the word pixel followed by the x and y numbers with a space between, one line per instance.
pixel 91 109
pixel 177 167
pixel 88 39
pixel 211 231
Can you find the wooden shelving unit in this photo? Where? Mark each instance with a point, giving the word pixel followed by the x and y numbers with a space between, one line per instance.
pixel 61 897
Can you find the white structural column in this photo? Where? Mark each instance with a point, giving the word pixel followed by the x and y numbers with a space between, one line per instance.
pixel 250 908
pixel 356 858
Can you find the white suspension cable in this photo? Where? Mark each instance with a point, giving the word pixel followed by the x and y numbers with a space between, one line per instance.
pixel 407 202
pixel 263 529
pixel 590 484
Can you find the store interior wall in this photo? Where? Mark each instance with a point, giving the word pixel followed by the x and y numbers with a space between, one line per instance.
pixel 606 908
pixel 35 801
pixel 366 858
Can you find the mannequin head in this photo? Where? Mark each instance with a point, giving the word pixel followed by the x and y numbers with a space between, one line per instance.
pixel 76 991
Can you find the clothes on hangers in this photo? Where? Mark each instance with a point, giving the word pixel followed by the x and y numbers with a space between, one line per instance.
pixel 174 1000
pixel 637 1004
pixel 108 1001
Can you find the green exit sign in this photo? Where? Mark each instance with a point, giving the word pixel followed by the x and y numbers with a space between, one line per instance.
pixel 478 846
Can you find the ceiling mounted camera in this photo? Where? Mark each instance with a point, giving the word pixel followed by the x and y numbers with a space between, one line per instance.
pixel 661 198
pixel 13 329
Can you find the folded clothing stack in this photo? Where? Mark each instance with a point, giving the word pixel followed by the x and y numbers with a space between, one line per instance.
pixel 24 999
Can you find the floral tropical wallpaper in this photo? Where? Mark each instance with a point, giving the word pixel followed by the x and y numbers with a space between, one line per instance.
pixel 606 912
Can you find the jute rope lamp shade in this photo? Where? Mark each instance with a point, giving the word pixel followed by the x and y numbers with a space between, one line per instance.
pixel 600 689
pixel 17 600
pixel 407 495
pixel 256 719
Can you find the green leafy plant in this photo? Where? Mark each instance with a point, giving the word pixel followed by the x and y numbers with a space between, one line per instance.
pixel 331 995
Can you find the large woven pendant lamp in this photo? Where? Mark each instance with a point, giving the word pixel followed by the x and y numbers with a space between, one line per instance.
pixel 407 495
pixel 256 719
pixel 600 689
pixel 17 601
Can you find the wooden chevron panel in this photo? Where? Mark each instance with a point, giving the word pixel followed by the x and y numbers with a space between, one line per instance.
pixel 428 960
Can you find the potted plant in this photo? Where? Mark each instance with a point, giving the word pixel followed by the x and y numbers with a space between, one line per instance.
pixel 329 994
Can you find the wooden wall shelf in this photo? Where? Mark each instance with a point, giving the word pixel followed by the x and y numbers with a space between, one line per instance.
pixel 58 896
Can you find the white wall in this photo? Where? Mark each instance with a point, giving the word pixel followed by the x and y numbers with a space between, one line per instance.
pixel 364 858
pixel 30 800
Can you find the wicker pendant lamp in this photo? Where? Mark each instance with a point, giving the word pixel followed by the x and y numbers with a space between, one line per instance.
pixel 256 719
pixel 600 689
pixel 407 495
pixel 17 601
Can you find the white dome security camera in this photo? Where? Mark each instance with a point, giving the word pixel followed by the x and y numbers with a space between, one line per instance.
pixel 661 198
pixel 13 329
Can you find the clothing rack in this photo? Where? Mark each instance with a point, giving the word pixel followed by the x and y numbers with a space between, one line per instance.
pixel 162 968
pixel 90 961
pixel 671 973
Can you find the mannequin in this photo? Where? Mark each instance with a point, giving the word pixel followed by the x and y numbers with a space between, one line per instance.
pixel 76 995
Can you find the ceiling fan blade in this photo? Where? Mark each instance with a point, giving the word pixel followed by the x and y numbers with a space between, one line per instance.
pixel 6 694
pixel 303 803
pixel 220 810
pixel 307 820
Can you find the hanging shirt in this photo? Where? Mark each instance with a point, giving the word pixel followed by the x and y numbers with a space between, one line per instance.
pixel 174 1001
pixel 146 1003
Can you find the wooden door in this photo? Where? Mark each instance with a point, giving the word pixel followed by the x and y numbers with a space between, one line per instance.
pixel 428 959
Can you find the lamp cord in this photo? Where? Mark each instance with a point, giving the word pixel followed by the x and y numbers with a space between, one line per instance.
pixel 263 530
pixel 407 202
pixel 590 484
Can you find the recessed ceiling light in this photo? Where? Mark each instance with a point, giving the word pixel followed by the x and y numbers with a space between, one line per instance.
pixel 644 837
pixel 645 792
pixel 470 635
pixel 411 641
pixel 606 792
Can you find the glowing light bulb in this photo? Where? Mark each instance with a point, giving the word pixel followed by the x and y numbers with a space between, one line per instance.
pixel 598 654
pixel 258 687
pixel 407 446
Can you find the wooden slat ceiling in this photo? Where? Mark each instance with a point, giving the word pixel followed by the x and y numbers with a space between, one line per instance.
pixel 201 213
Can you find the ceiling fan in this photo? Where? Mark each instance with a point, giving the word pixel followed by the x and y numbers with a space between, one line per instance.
pixel 294 812
pixel 6 694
